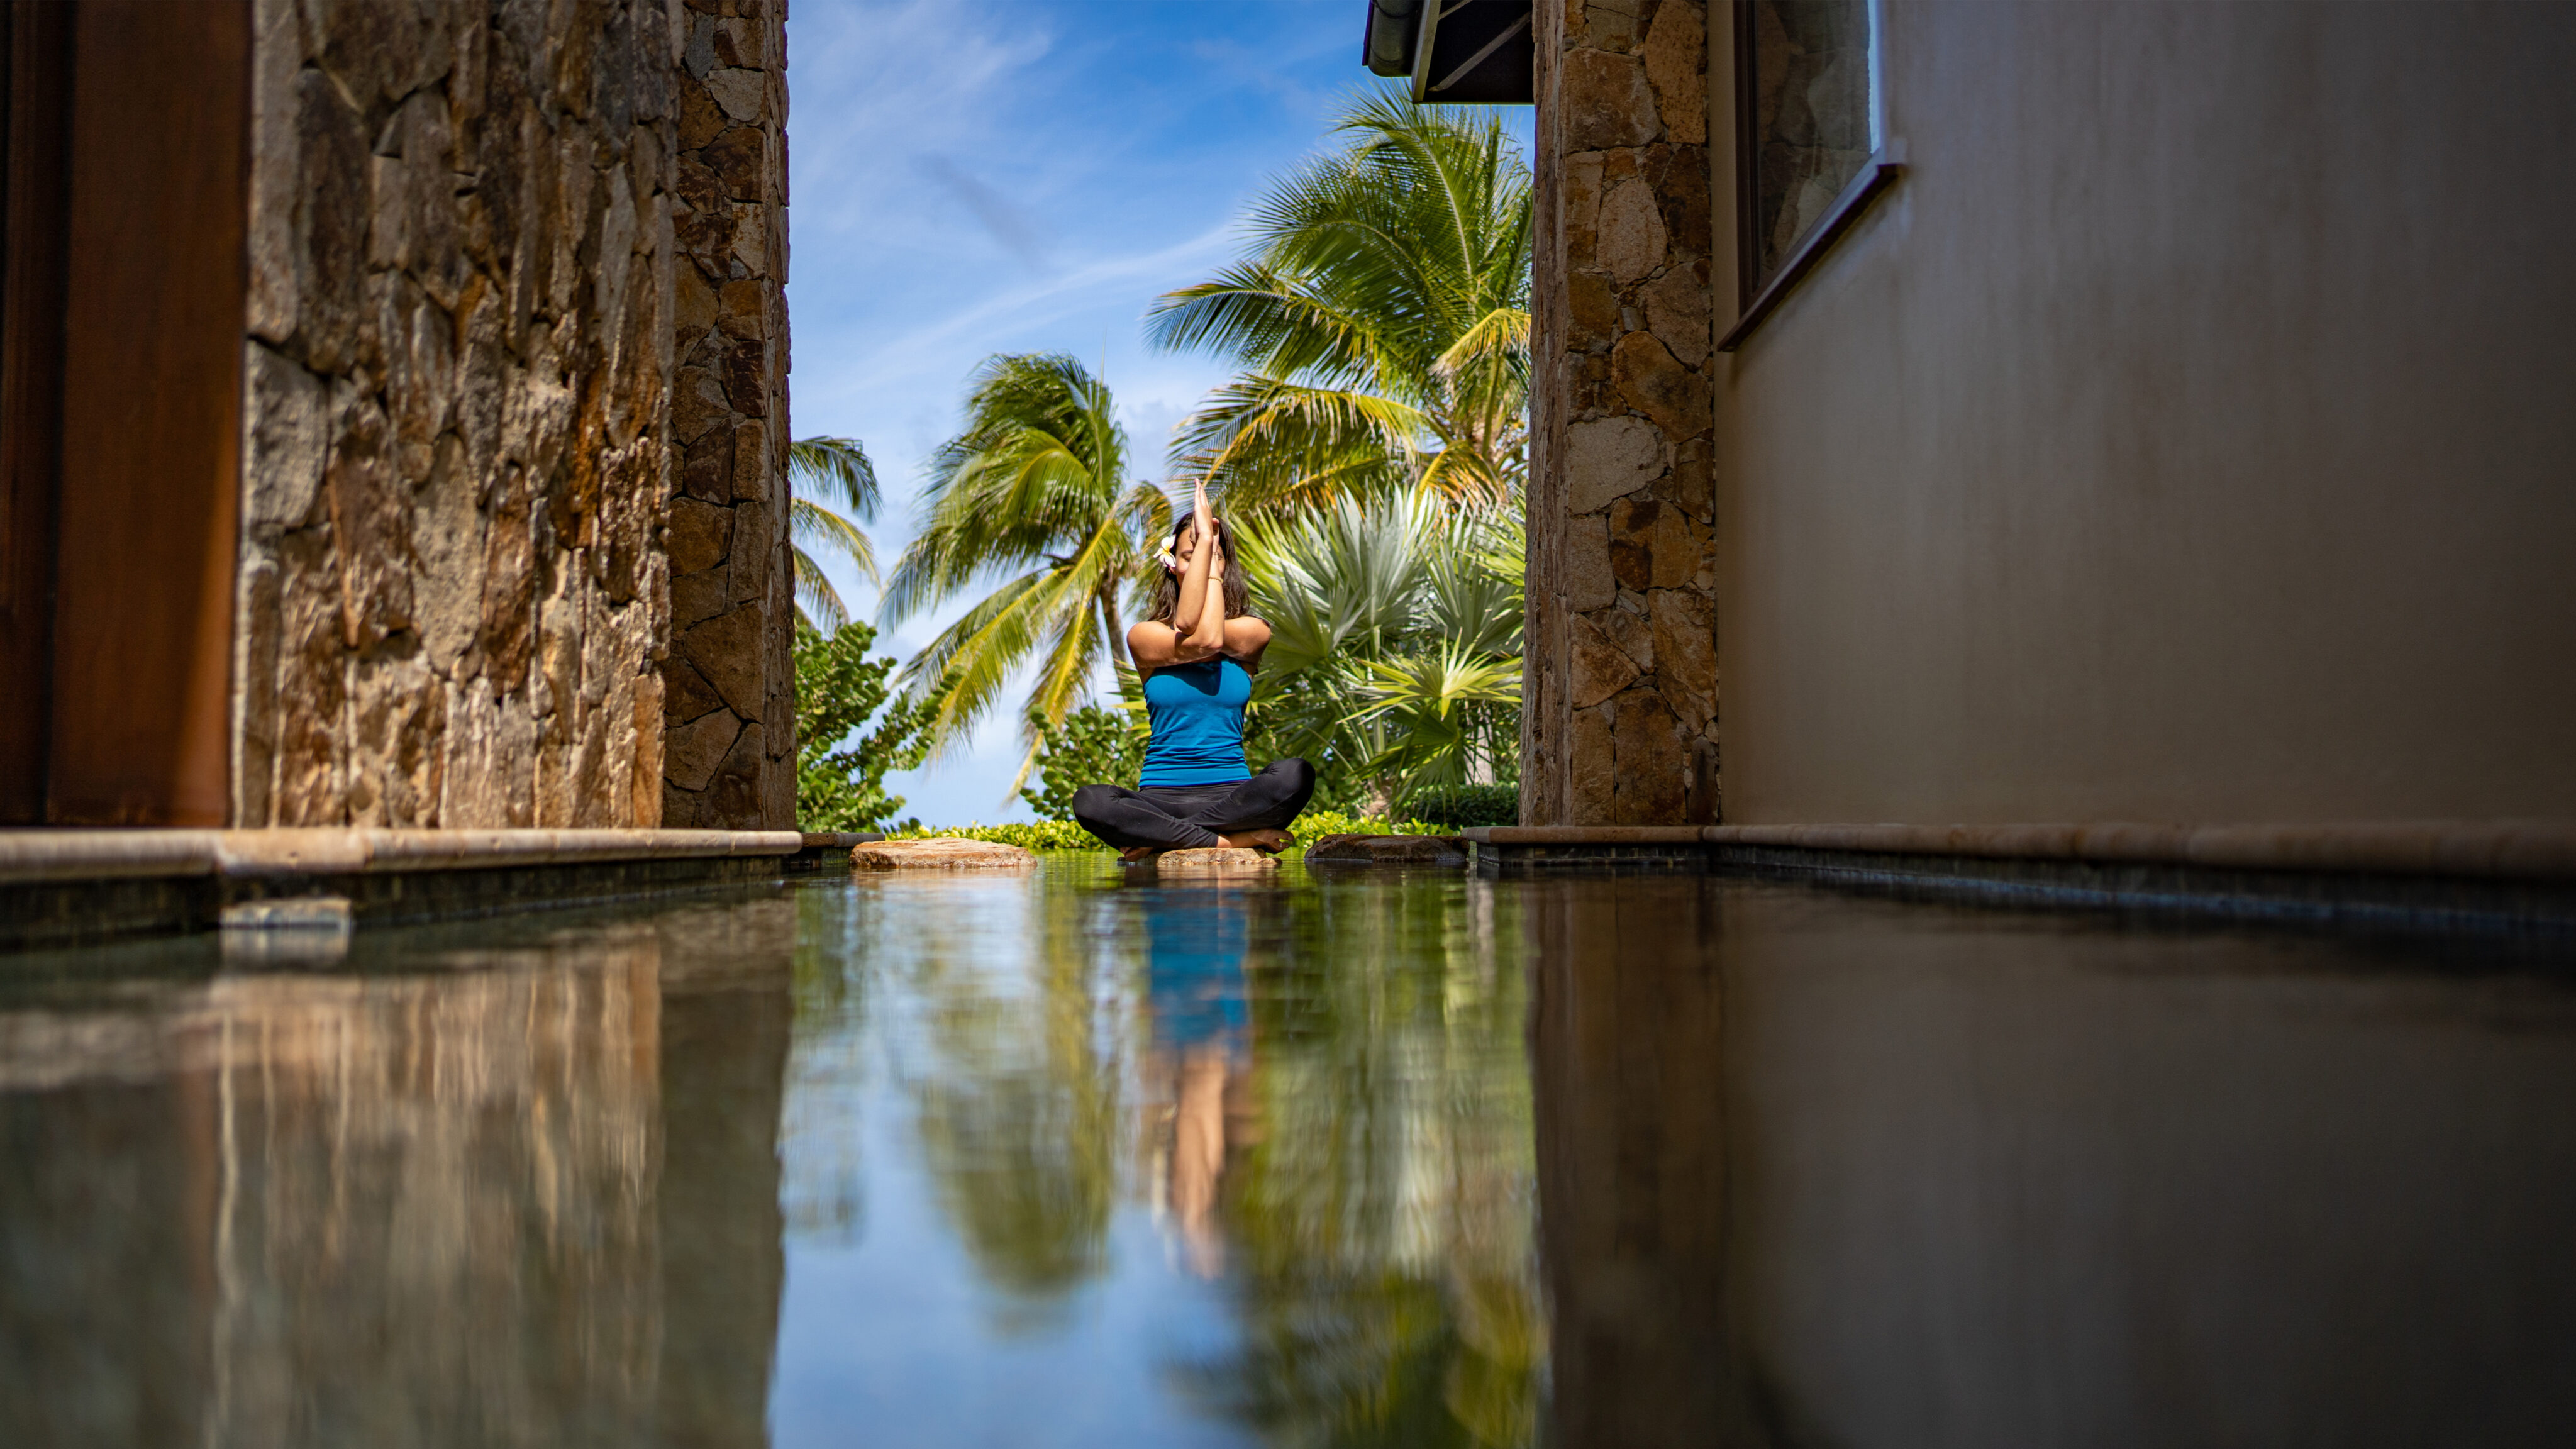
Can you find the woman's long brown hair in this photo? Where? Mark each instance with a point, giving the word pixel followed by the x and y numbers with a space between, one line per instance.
pixel 1167 592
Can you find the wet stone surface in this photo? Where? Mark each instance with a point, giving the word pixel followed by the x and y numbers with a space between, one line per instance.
pixel 1386 1157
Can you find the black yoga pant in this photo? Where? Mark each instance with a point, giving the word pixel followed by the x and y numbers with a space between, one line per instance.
pixel 1188 817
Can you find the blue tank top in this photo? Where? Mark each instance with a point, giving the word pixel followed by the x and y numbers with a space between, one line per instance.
pixel 1196 715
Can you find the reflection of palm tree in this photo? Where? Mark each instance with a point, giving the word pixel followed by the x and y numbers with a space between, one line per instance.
pixel 1388 1293
pixel 1019 1119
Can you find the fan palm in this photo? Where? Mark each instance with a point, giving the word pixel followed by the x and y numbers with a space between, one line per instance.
pixel 837 468
pixel 1382 319
pixel 1395 639
pixel 1032 498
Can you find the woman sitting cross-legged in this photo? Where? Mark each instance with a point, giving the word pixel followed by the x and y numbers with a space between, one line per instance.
pixel 1197 654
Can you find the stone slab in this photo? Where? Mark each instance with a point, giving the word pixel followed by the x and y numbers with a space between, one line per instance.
pixel 1218 860
pixel 1388 850
pixel 896 855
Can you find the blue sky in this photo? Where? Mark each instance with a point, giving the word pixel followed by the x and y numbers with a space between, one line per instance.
pixel 970 177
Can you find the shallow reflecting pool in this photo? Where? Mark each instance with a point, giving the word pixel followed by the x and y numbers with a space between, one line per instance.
pixel 1373 1160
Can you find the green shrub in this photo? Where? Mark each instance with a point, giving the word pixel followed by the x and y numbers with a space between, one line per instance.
pixel 1459 806
pixel 1096 745
pixel 1065 835
pixel 838 690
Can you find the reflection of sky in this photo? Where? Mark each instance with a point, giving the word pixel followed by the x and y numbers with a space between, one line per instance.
pixel 877 1343
pixel 982 176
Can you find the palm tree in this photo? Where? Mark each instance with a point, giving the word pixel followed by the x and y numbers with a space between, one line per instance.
pixel 1032 496
pixel 839 469
pixel 1395 640
pixel 1382 318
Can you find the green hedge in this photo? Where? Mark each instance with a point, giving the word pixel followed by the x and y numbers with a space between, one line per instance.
pixel 1458 806
pixel 1065 835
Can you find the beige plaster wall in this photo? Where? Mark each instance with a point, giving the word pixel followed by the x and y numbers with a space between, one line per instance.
pixel 2188 436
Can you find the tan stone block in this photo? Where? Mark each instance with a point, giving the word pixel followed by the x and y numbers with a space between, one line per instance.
pixel 745 309
pixel 1582 206
pixel 1677 311
pixel 1632 541
pixel 448 540
pixel 645 804
pixel 757 477
pixel 276 179
pixel 1591 767
pixel 752 225
pixel 1632 238
pixel 1593 307
pixel 1655 383
pixel 289 430
pixel 330 224
pixel 738 93
pixel 739 797
pixel 1680 549
pixel 698 535
pixel 887 856
pixel 370 528
pixel 1676 55
pixel 1606 458
pixel 726 649
pixel 698 403
pixel 691 753
pixel 686 694
pixel 311 758
pixel 1688 486
pixel 1685 630
pixel 1589 584
pixel 398 746
pixel 1599 666
pixel 509 586
pixel 1631 633
pixel 759 543
pixel 1604 101
pixel 699 596
pixel 744 41
pixel 1652 757
pixel 1679 175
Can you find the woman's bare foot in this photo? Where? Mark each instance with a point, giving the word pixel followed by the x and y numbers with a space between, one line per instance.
pixel 1135 853
pixel 1268 842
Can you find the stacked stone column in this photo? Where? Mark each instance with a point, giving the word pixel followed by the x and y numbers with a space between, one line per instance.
pixel 729 681
pixel 1620 725
pixel 456 443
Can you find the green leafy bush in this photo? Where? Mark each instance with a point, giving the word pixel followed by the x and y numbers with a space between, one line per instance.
pixel 1459 806
pixel 1044 835
pixel 1096 744
pixel 840 782
pixel 1065 835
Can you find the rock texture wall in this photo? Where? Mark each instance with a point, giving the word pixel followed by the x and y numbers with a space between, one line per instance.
pixel 493 244
pixel 1621 723
pixel 730 677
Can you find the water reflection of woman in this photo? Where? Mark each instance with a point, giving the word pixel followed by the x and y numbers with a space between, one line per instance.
pixel 1195 993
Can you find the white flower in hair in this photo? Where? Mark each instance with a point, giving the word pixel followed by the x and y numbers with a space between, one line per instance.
pixel 1169 561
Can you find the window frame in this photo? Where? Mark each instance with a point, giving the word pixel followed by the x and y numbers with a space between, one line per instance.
pixel 1757 298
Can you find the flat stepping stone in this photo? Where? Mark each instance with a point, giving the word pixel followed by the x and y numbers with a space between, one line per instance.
pixel 1215 860
pixel 1388 850
pixel 944 854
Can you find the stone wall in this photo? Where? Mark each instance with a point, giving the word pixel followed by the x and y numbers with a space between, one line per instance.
pixel 475 355
pixel 1621 721
pixel 729 677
